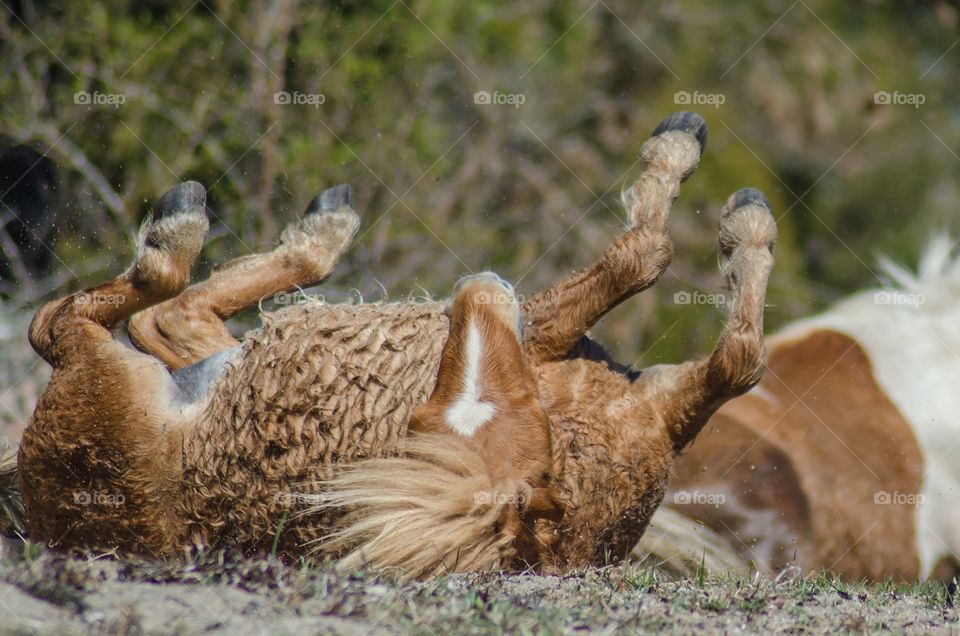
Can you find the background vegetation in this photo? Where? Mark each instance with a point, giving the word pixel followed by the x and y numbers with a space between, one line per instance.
pixel 446 185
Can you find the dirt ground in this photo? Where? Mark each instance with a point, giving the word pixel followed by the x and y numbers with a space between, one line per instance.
pixel 44 593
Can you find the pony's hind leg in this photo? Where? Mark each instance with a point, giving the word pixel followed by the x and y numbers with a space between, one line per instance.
pixel 190 327
pixel 560 315
pixel 100 453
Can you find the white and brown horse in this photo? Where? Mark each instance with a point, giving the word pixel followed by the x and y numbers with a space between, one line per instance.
pixel 846 456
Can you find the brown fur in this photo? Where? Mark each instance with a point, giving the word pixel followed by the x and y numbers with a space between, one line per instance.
pixel 321 387
pixel 788 455
pixel 515 443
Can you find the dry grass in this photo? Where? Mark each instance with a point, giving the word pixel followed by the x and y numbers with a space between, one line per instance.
pixel 41 592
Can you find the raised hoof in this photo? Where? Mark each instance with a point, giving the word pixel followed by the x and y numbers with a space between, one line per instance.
pixel 327 225
pixel 332 199
pixel 745 196
pixel 182 198
pixel 173 237
pixel 746 220
pixel 685 121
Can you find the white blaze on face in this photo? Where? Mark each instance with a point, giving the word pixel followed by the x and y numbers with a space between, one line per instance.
pixel 469 413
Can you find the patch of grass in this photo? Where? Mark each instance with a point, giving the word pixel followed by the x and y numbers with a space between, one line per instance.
pixel 645 579
pixel 701 570
pixel 934 593
pixel 715 603
pixel 32 551
pixel 276 537
pixel 611 599
pixel 752 604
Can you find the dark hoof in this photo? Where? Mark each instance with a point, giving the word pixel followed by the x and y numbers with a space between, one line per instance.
pixel 332 199
pixel 687 122
pixel 746 196
pixel 181 198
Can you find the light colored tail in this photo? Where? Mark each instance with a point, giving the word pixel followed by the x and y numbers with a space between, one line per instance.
pixel 432 510
pixel 13 523
pixel 679 547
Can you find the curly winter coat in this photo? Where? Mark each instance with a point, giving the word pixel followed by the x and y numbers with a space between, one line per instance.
pixel 422 436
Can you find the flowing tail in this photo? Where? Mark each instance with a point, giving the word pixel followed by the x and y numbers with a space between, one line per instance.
pixel 432 510
pixel 679 547
pixel 13 522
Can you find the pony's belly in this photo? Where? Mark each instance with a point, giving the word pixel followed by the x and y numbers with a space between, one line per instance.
pixel 317 385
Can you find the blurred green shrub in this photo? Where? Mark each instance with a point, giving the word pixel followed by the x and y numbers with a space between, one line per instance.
pixel 448 185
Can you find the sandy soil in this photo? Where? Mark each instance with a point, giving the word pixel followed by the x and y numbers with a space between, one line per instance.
pixel 42 593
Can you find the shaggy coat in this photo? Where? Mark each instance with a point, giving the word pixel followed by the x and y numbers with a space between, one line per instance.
pixel 428 438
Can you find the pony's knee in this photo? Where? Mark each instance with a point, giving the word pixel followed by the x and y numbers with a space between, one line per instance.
pixel 738 362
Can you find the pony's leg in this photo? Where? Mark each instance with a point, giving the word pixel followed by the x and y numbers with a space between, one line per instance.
pixel 167 246
pixel 190 327
pixel 98 457
pixel 689 393
pixel 559 316
pixel 615 434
